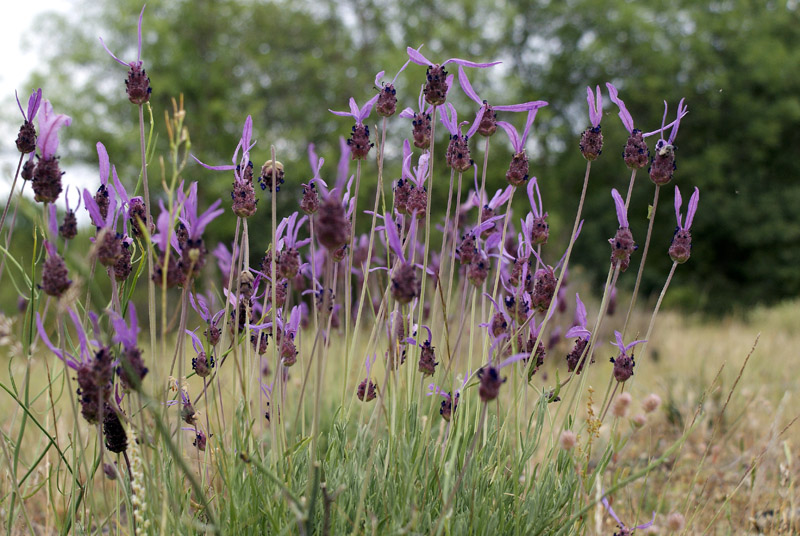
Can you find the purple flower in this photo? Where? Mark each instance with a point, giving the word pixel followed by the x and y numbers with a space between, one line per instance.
pixel 243 195
pixel 486 117
pixel 592 140
pixel 421 119
pixel 595 101
pixel 49 125
pixel 662 167
pixel 131 370
pixel 138 84
pixel 517 172
pixel 387 98
pixel 26 139
pixel 624 362
pixel 579 330
pixel 623 529
pixel 681 247
pixel 622 245
pixel 367 390
pixel 535 227
pixel 436 88
pixel 450 401
pixel 359 136
pixel 457 155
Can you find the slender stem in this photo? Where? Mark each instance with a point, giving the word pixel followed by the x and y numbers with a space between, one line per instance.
pixel 11 227
pixel 658 306
pixel 644 258
pixel 151 287
pixel 11 193
pixel 365 267
pixel 630 190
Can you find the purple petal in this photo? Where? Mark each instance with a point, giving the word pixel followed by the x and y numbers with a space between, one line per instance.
pixel 343 169
pixel 467 87
pixel 199 304
pixel 501 197
pixel 524 107
pixel 118 187
pixel 126 64
pixel 513 359
pixel 646 525
pixel 46 340
pixel 84 343
pixel 391 236
pixel 378 78
pixel 139 50
pixel 627 120
pixel 403 68
pixel 632 344
pixel 33 103
pixel 622 214
pixel 365 110
pixel 227 167
pixel 513 135
pixel 93 209
pixel 407 113
pixel 693 201
pixel 528 123
pixel 682 110
pixel 595 106
pixel 580 310
pixel 579 332
pixel 477 122
pixel 205 218
pixel 620 344
pixel 678 203
pixel 418 58
pixel 49 125
pixel 467 63
pixel 611 512
pixel 450 122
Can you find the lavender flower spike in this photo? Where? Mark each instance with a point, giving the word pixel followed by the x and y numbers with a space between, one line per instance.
pixel 359 137
pixel 49 125
pixel 487 118
pixel 457 155
pixel 625 531
pixel 137 86
pixel 582 334
pixel 681 247
pixel 131 370
pixel 517 172
pixel 436 87
pixel 243 195
pixel 387 96
pixel 26 139
pixel 662 167
pixel 624 363
pixel 592 139
pixel 622 245
pixel 635 154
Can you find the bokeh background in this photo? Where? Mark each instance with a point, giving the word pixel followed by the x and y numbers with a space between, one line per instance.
pixel 735 61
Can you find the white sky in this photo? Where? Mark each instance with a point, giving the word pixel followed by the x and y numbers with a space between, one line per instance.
pixel 17 18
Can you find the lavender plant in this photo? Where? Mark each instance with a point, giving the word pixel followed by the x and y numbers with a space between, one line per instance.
pixel 267 428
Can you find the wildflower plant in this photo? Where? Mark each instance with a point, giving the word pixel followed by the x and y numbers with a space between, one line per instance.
pixel 263 362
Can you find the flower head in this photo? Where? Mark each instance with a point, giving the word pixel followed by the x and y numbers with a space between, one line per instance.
pixel 359 136
pixel 662 167
pixel 138 84
pixel 436 88
pixel 243 195
pixel 517 172
pixel 624 362
pixel 457 155
pixel 622 245
pixel 592 139
pixel 387 96
pixel 487 116
pixel 26 139
pixel 681 247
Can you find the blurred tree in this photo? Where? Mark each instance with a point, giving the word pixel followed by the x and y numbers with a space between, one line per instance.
pixel 287 63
